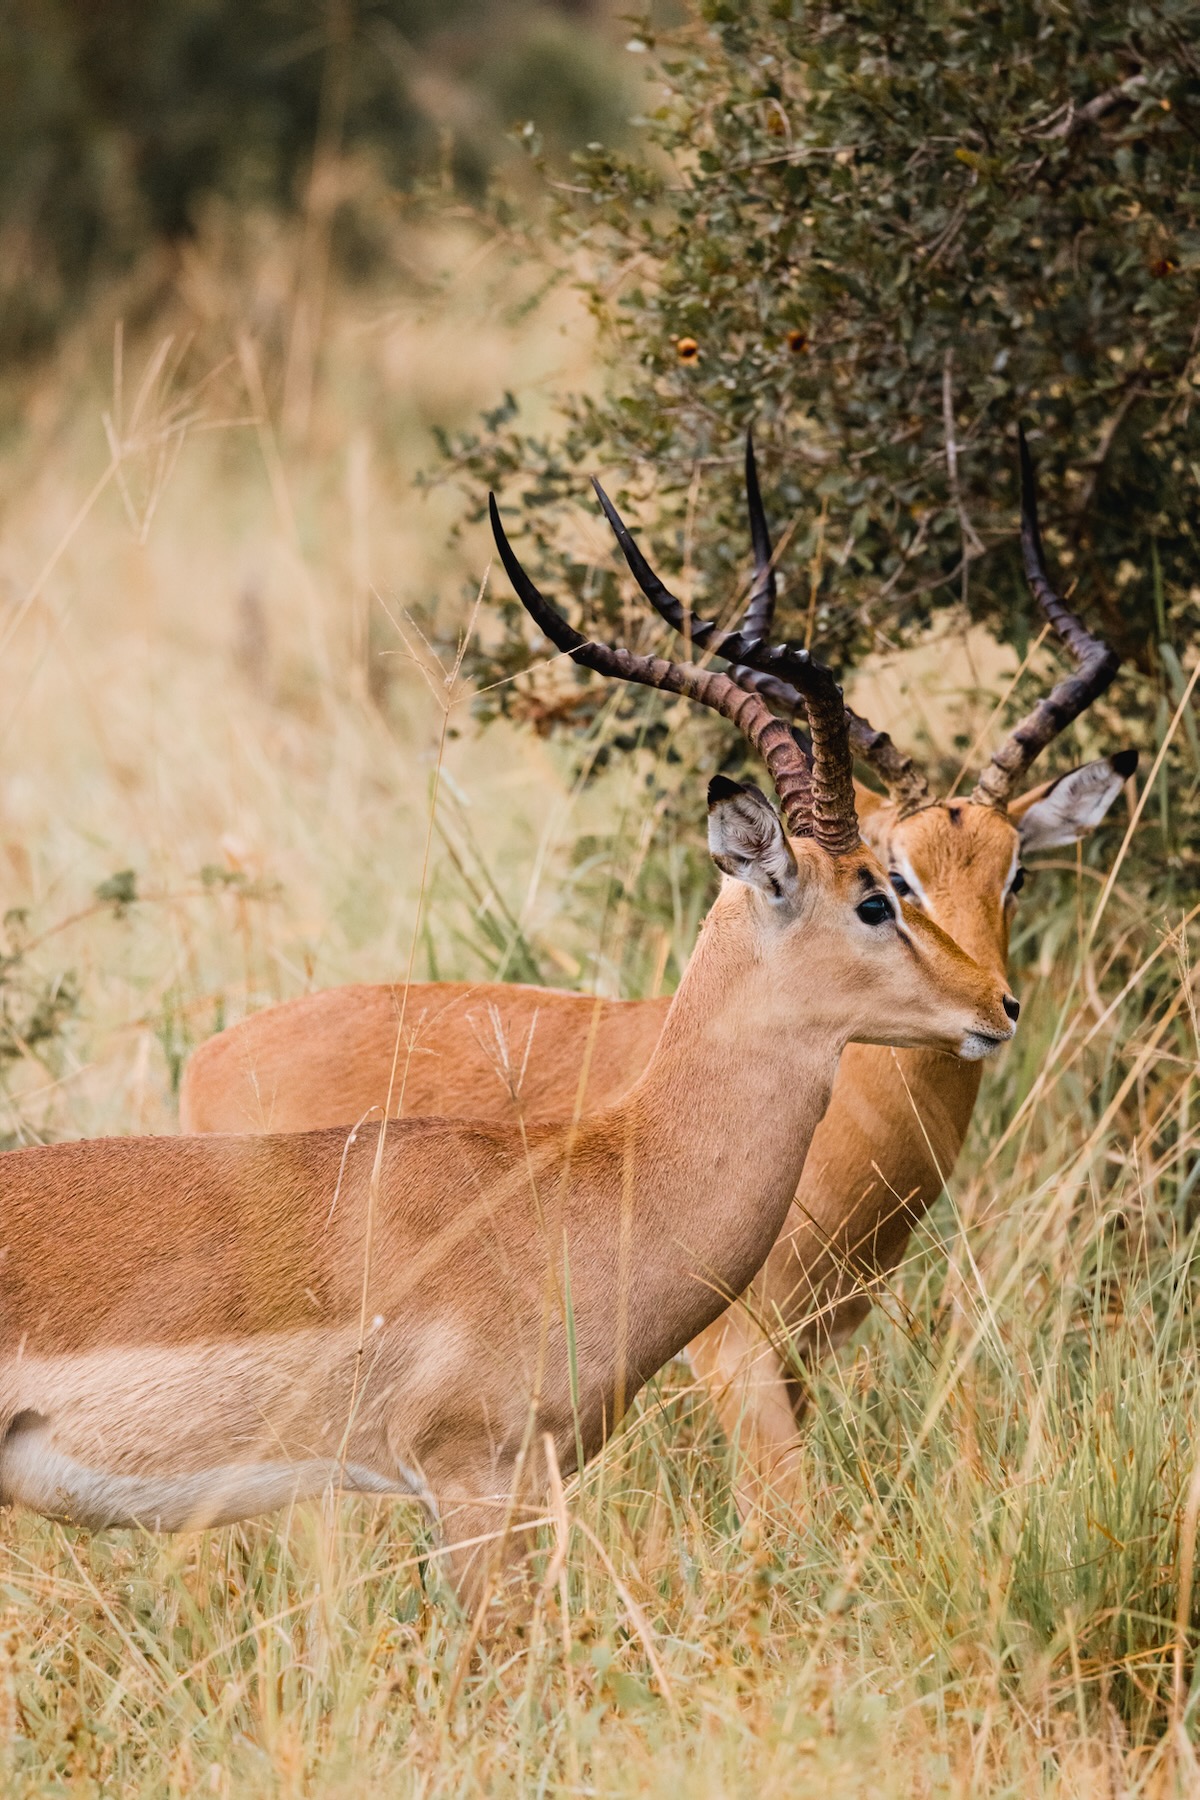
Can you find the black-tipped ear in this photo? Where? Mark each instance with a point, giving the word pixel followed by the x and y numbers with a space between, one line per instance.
pixel 721 788
pixel 1066 808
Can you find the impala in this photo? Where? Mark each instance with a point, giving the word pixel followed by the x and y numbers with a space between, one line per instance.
pixel 897 1119
pixel 195 1329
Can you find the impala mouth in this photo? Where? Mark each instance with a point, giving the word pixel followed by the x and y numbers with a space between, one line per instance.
pixel 978 1044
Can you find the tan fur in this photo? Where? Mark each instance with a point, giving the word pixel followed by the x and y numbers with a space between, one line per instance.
pixel 460 1049
pixel 192 1327
pixel 891 1137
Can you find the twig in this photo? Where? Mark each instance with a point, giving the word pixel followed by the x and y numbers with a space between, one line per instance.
pixel 1072 118
pixel 972 546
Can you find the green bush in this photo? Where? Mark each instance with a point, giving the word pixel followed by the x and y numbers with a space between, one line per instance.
pixel 884 234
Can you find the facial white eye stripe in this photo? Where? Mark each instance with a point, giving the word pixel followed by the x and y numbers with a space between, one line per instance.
pixel 903 867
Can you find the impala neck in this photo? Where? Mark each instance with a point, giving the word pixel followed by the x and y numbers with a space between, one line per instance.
pixel 728 1103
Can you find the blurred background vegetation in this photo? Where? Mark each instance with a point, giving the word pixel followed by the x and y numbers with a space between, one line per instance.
pixel 122 126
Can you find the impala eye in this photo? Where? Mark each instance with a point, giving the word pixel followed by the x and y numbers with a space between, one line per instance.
pixel 1017 882
pixel 875 910
pixel 898 882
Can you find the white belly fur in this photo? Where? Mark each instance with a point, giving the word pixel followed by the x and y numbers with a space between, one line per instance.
pixel 175 1439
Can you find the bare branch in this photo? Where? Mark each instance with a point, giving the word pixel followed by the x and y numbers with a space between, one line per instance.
pixel 1069 119
pixel 972 545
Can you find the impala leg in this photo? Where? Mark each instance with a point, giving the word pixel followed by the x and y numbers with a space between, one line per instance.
pixel 485 1544
pixel 480 1551
pixel 748 1384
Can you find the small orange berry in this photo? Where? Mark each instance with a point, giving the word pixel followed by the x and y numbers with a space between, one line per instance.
pixel 1162 266
pixel 687 349
pixel 797 340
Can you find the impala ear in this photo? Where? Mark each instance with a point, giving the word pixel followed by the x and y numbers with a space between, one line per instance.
pixel 867 801
pixel 748 842
pixel 1064 810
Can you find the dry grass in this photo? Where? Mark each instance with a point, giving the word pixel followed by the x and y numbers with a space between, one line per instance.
pixel 988 1593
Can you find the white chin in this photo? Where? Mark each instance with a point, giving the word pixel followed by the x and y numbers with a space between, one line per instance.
pixel 975 1046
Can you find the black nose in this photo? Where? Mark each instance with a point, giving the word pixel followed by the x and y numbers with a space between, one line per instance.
pixel 1011 1008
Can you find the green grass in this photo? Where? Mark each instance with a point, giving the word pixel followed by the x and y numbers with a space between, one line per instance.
pixel 990 1588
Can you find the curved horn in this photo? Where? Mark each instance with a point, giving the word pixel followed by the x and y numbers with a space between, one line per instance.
pixel 759 615
pixel 904 781
pixel 835 818
pixel 809 684
pixel 767 735
pixel 900 775
pixel 773 670
pixel 1096 663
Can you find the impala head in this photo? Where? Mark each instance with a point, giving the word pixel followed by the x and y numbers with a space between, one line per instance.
pixel 963 863
pixel 806 908
pixel 958 862
pixel 883 972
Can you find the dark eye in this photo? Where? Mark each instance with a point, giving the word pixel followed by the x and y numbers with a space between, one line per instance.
pixel 898 882
pixel 874 910
pixel 1017 882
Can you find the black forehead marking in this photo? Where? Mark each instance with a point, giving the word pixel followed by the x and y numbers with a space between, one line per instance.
pixel 955 814
pixel 866 878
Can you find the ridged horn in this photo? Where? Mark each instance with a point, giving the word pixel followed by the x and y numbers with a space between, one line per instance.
pixel 1097 664
pixel 769 669
pixel 835 821
pixel 767 735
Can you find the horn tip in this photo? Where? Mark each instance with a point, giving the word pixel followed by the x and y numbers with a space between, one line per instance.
pixel 610 512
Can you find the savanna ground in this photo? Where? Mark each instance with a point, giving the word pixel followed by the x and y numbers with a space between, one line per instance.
pixel 234 769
